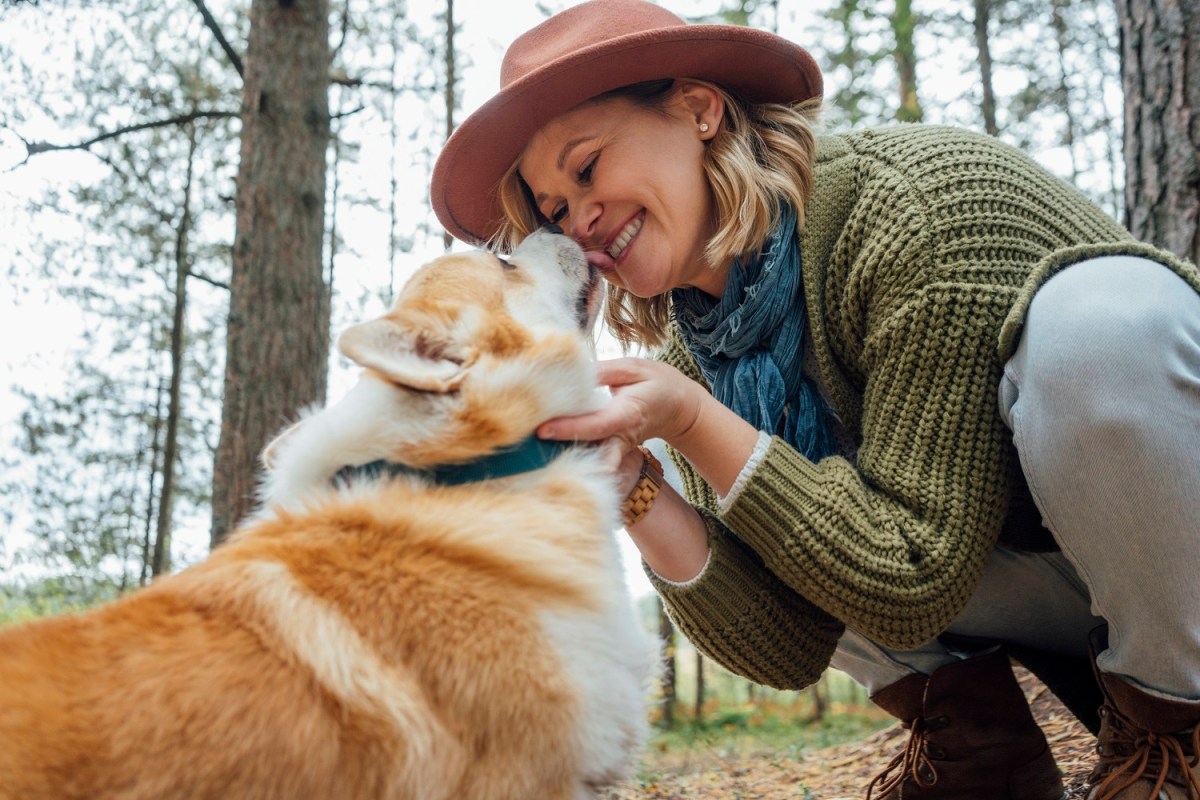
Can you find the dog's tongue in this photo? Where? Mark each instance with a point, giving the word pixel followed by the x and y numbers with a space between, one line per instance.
pixel 600 260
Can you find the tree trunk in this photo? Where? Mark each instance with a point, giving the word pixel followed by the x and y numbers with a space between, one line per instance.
pixel 699 710
pixel 1061 38
pixel 983 47
pixel 152 489
pixel 820 701
pixel 162 536
pixel 451 87
pixel 905 54
pixel 278 328
pixel 1160 59
pixel 666 638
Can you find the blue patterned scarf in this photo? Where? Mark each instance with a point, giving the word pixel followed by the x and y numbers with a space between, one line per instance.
pixel 750 343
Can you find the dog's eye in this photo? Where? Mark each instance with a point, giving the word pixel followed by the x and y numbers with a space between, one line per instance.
pixel 504 263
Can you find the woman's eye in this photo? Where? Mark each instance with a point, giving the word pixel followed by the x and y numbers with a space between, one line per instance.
pixel 585 174
pixel 558 214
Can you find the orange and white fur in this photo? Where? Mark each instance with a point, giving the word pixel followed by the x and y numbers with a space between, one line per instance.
pixel 376 637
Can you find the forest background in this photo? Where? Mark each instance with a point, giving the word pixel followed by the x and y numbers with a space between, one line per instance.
pixel 196 195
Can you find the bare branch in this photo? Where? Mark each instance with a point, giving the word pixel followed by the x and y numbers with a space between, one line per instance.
pixel 200 276
pixel 340 78
pixel 24 142
pixel 213 26
pixel 37 148
pixel 351 112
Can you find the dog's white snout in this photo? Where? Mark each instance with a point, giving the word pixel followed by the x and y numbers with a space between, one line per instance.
pixel 563 250
pixel 566 288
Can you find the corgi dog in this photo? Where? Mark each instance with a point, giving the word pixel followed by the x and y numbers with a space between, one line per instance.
pixel 429 603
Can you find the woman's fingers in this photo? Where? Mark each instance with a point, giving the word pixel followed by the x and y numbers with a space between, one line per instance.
pixel 623 461
pixel 646 403
pixel 609 421
pixel 621 371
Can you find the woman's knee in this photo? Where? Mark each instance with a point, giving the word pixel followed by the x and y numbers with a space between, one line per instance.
pixel 1108 339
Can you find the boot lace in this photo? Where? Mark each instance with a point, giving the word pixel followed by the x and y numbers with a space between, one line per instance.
pixel 1137 754
pixel 913 761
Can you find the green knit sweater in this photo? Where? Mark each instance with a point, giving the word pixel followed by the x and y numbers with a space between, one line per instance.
pixel 922 247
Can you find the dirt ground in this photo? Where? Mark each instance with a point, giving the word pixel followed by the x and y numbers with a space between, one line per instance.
pixel 841 772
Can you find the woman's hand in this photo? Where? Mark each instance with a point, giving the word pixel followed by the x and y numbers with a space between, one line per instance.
pixel 649 400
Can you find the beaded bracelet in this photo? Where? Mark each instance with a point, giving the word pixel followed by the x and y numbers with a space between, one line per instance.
pixel 639 501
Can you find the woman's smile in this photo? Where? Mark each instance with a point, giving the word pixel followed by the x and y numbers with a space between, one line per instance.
pixel 611 254
pixel 625 236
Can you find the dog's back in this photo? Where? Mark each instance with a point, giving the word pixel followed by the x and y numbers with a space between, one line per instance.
pixel 411 643
pixel 166 694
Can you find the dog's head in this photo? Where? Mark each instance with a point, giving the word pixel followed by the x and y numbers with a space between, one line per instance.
pixel 462 308
pixel 477 351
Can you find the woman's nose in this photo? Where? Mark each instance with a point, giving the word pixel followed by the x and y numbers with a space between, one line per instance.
pixel 581 224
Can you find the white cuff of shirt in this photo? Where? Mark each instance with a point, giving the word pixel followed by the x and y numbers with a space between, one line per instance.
pixel 756 457
pixel 689 581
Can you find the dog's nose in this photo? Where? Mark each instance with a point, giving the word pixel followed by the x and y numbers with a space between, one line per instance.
pixel 550 227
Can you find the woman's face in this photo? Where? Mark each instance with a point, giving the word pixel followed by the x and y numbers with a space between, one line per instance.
pixel 627 183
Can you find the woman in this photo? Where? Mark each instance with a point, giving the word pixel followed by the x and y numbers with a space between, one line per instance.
pixel 875 351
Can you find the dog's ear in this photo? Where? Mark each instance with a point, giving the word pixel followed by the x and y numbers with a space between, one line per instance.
pixel 270 453
pixel 419 356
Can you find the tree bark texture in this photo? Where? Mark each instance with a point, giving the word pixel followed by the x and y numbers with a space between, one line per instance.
pixel 450 97
pixel 904 24
pixel 1160 69
pixel 983 47
pixel 278 327
pixel 666 637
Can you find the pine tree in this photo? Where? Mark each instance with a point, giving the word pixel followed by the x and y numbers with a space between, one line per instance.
pixel 1160 59
pixel 277 334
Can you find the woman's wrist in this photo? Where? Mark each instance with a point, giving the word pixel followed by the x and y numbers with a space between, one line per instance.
pixel 641 497
pixel 716 441
pixel 671 537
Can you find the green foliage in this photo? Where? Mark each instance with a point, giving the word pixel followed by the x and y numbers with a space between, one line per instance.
pixel 83 475
pixel 856 45
pixel 758 13
pixel 1055 77
pixel 50 597
pixel 788 731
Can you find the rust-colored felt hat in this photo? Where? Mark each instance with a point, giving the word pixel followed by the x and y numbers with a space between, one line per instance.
pixel 587 50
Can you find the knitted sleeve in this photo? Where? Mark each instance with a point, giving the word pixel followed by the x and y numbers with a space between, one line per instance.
pixel 869 545
pixel 741 616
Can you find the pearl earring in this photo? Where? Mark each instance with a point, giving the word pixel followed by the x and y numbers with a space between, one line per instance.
pixel 704 127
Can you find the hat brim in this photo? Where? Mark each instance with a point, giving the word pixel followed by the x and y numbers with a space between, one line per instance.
pixel 755 65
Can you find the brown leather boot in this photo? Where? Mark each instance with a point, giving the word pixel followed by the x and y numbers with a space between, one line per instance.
pixel 1148 746
pixel 971 737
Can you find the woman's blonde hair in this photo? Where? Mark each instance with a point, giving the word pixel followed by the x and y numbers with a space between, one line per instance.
pixel 761 156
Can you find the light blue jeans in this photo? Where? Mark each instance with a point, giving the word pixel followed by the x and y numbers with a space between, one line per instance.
pixel 1103 398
